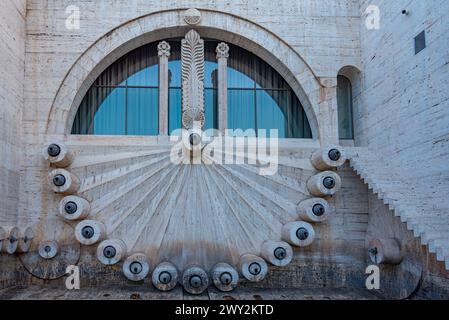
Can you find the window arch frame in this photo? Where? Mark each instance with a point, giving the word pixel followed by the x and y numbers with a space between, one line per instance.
pixel 120 83
pixel 256 89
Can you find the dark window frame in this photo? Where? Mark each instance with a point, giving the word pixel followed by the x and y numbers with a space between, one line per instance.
pixel 420 42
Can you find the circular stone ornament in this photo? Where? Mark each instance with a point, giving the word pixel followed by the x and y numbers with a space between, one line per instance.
pixel 314 210
pixel 136 267
pixel 192 16
pixel 68 251
pixel 385 251
pixel 111 251
pixel 225 277
pixel 298 233
pixel 3 236
pixel 50 268
pixel 193 117
pixel 195 280
pixel 64 182
pixel 74 208
pixel 323 184
pixel 89 232
pixel 328 158
pixel 165 276
pixel 48 249
pixel 26 236
pixel 278 253
pixel 11 242
pixel 195 139
pixel 57 154
pixel 253 267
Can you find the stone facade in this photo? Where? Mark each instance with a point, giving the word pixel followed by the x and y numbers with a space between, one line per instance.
pixel 400 116
pixel 403 109
pixel 12 63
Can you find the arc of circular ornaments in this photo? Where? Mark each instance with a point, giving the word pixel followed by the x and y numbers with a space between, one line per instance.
pixel 162 24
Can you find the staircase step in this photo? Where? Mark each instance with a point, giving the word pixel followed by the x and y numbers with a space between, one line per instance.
pixel 429 221
pixel 410 216
pixel 436 244
pixel 428 235
pixel 430 224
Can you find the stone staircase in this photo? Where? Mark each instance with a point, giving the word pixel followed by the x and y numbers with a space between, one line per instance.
pixel 427 222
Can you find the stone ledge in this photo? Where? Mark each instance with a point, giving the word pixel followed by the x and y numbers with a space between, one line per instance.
pixel 149 293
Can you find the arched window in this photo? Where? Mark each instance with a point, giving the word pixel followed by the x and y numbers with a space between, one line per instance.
pixel 345 108
pixel 259 98
pixel 124 99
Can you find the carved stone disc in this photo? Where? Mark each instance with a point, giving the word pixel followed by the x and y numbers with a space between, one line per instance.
pixel 192 16
pixel 69 251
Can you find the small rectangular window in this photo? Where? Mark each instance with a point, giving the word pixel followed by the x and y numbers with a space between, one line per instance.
pixel 420 42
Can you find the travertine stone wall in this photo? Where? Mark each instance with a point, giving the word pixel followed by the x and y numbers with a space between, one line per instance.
pixel 419 275
pixel 401 111
pixel 324 32
pixel 336 259
pixel 404 110
pixel 12 59
pixel 52 50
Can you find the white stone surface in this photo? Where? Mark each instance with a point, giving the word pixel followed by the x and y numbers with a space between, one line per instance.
pixel 401 100
pixel 427 222
pixel 404 109
pixel 12 59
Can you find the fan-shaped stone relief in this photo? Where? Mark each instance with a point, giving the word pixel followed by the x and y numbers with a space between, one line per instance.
pixel 179 210
pixel 193 216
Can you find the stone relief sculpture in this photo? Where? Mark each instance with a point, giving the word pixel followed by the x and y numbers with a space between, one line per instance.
pixel 136 205
pixel 222 50
pixel 163 49
pixel 192 54
pixel 192 16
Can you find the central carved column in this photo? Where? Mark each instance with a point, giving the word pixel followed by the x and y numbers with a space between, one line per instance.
pixel 163 53
pixel 222 58
pixel 192 54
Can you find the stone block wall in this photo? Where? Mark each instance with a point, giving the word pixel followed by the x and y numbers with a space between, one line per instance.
pixel 402 108
pixel 325 33
pixel 404 112
pixel 12 64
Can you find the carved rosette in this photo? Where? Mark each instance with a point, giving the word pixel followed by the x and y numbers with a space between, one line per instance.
pixel 222 51
pixel 192 16
pixel 163 49
pixel 192 81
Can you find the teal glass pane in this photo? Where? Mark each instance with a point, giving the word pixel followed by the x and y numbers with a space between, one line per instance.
pixel 273 108
pixel 110 116
pixel 174 73
pixel 241 109
pixel 240 68
pixel 210 74
pixel 115 75
pixel 237 79
pixel 266 77
pixel 174 109
pixel 142 112
pixel 211 108
pixel 142 66
pixel 298 122
pixel 344 101
pixel 307 130
pixel 148 77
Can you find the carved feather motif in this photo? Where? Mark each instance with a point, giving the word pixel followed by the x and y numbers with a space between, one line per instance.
pixel 192 55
